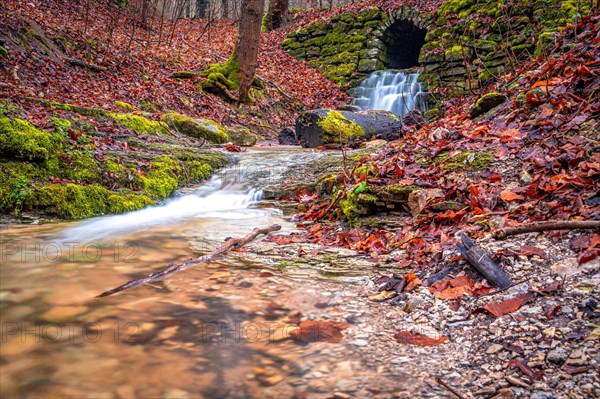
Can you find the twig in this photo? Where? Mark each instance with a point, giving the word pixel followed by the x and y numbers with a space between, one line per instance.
pixel 174 268
pixel 449 388
pixel 83 64
pixel 545 226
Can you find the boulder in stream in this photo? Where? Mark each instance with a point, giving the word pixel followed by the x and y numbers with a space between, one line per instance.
pixel 326 126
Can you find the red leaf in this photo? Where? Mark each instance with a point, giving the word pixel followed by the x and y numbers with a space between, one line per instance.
pixel 509 305
pixel 412 338
pixel 588 255
pixel 525 369
pixel 530 251
pixel 319 331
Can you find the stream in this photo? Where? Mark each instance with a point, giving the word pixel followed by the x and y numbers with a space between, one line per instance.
pixel 215 330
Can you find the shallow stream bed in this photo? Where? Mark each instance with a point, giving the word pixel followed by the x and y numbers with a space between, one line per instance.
pixel 215 331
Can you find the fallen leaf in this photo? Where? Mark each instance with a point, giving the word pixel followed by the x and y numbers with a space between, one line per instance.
pixel 588 255
pixel 509 196
pixel 530 251
pixel 319 331
pixel 382 296
pixel 509 305
pixel 420 199
pixel 525 369
pixel 412 338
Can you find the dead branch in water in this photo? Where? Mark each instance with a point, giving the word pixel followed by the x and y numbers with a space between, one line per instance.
pixel 174 268
pixel 545 226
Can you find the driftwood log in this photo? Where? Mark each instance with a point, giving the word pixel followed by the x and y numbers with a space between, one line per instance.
pixel 483 263
pixel 545 226
pixel 174 268
pixel 325 126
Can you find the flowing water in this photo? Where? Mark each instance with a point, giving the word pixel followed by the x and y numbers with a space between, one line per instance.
pixel 211 331
pixel 394 91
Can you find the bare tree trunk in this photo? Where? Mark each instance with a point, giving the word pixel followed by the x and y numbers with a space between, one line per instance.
pixel 277 13
pixel 246 46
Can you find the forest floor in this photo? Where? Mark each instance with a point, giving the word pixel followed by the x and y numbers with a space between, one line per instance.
pixel 534 158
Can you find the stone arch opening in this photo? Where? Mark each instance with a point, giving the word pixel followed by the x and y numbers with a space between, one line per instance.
pixel 403 40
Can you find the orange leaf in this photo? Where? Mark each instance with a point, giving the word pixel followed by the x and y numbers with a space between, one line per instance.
pixel 509 305
pixel 508 196
pixel 407 337
pixel 453 293
pixel 319 331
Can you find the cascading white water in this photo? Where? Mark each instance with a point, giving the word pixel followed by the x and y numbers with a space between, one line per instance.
pixel 394 91
pixel 230 195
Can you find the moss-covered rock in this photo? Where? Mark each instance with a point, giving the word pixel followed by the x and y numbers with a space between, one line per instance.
pixel 242 136
pixel 140 124
pixel 465 160
pixel 162 179
pixel 124 106
pixel 198 128
pixel 21 140
pixel 486 103
pixel 338 129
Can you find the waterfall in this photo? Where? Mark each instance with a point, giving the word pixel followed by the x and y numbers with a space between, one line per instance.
pixel 394 91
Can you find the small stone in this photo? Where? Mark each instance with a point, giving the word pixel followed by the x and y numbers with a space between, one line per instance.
pixel 557 355
pixel 525 178
pixel 488 391
pixel 494 349
pixel 360 342
pixel 549 332
pixel 515 381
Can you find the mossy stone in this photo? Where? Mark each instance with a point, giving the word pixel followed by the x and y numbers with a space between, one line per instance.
pixel 486 103
pixel 335 128
pixel 198 128
pixel 19 139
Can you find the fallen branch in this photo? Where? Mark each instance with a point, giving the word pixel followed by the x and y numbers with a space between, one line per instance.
pixel 83 64
pixel 174 268
pixel 449 388
pixel 483 263
pixel 545 226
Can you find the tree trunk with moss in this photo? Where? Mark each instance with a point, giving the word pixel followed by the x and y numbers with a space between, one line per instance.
pixel 325 126
pixel 246 46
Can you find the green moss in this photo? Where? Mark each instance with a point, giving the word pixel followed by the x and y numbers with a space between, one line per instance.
pixel 140 124
pixel 486 103
pixel 350 208
pixel 21 140
pixel 197 171
pixel 121 203
pixel 339 73
pixel 73 201
pixel 163 178
pixel 124 105
pixel 83 168
pixel 4 53
pixel 370 15
pixel 456 6
pixel 465 160
pixel 227 74
pixel 198 128
pixel 336 128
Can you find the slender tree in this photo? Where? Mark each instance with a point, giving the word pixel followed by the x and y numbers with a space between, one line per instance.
pixel 246 46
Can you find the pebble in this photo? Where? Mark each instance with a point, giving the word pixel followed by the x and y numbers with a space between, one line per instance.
pixel 557 355
pixel 494 348
pixel 360 342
